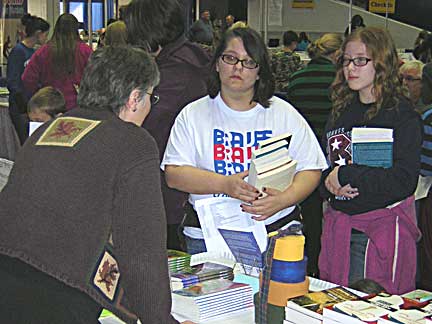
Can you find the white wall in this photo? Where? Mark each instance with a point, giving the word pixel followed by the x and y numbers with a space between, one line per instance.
pixel 327 16
pixel 47 9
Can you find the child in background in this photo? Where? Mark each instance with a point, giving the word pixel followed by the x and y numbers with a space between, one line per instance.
pixel 46 104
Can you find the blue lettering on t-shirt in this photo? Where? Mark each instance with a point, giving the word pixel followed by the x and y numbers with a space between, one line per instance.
pixel 232 151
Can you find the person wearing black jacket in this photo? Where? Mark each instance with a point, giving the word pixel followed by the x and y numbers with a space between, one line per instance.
pixel 158 26
pixel 367 93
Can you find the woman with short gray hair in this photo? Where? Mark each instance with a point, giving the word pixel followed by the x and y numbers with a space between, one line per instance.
pixel 83 223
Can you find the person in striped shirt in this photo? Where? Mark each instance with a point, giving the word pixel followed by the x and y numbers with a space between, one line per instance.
pixel 309 92
pixel 309 88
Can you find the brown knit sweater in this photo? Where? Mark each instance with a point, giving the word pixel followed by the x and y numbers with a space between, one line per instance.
pixel 63 205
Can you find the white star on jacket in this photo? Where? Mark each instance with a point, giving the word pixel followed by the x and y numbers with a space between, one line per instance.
pixel 341 160
pixel 335 145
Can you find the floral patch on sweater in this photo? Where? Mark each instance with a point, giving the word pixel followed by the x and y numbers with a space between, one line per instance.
pixel 67 131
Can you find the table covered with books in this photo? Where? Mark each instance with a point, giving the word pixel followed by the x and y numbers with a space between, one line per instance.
pixel 246 316
pixel 249 276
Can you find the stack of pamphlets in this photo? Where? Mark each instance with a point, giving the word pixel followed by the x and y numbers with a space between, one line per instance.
pixel 199 273
pixel 212 299
pixel 178 260
pixel 271 166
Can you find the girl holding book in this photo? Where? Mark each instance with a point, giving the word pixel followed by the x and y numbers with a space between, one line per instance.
pixel 211 143
pixel 369 227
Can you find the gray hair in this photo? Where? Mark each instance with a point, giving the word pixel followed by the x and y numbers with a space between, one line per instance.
pixel 112 74
pixel 412 65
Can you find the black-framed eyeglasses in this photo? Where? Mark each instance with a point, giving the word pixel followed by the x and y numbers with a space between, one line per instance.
pixel 233 60
pixel 410 78
pixel 358 61
pixel 154 99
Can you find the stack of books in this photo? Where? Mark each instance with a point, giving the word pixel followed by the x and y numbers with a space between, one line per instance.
pixel 411 308
pixel 271 166
pixel 212 299
pixel 178 260
pixel 199 273
pixel 309 307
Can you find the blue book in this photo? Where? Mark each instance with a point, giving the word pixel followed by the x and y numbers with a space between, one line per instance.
pixel 372 147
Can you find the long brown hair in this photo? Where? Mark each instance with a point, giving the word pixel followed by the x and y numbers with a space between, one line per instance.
pixel 63 43
pixel 387 87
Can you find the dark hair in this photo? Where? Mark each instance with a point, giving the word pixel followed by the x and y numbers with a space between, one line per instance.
pixel 48 100
pixel 427 84
pixel 34 24
pixel 151 24
pixel 357 21
pixel 303 37
pixel 63 44
pixel 367 286
pixel 289 37
pixel 110 21
pixel 387 87
pixel 112 73
pixel 256 49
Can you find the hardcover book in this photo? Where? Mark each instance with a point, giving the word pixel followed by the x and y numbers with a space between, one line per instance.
pixel 372 146
pixel 418 295
pixel 361 309
pixel 309 308
pixel 405 316
pixel 271 166
pixel 283 137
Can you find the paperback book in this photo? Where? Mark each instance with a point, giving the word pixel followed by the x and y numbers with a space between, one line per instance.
pixel 178 260
pixel 210 299
pixel 243 246
pixel 199 273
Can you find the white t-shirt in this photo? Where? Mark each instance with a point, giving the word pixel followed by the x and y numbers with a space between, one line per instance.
pixel 209 135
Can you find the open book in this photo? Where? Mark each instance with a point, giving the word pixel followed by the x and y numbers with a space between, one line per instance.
pixel 271 166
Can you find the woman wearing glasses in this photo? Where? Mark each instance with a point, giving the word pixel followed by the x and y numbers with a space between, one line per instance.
pixel 208 153
pixel 369 228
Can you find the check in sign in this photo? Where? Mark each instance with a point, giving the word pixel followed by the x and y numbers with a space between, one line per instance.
pixel 380 6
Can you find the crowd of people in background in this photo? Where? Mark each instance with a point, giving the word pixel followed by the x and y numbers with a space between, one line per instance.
pixel 146 168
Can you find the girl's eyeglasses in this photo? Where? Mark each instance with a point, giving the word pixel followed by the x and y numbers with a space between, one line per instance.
pixel 358 61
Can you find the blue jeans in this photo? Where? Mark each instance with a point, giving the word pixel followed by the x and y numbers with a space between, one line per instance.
pixel 194 246
pixel 357 256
